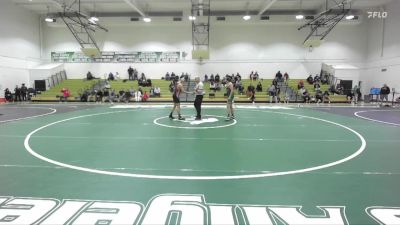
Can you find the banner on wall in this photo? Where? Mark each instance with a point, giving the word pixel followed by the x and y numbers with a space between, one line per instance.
pixel 117 57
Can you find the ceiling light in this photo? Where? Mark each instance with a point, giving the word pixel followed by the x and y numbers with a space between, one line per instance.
pixel 93 18
pixel 349 17
pixel 147 19
pixel 246 17
pixel 299 17
pixel 192 18
pixel 50 20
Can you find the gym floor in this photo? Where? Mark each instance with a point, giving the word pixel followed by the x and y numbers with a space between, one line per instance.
pixel 313 159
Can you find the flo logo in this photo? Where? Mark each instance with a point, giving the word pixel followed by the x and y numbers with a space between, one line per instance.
pixel 192 121
pixel 377 15
pixel 207 122
pixel 173 209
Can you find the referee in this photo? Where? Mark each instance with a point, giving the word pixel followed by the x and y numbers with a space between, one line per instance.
pixel 199 92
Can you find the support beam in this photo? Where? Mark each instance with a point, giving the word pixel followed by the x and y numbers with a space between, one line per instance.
pixel 268 5
pixel 133 5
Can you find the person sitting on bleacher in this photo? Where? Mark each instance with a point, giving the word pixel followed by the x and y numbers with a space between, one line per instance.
pixel 138 96
pixel 251 93
pixel 157 92
pixel 310 79
pixel 318 96
pixel 300 84
pixel 167 76
pixel 259 87
pixel 212 78
pixel 217 78
pixel 286 77
pixel 272 93
pixel 212 86
pixel 89 76
pixel 317 78
pixel 350 96
pixel 326 97
pixel 238 77
pixel 172 76
pixel 256 76
pixel 205 78
pixel 317 86
pixel 65 94
pixel 99 96
pixel 145 97
pixel 306 96
pixel 279 76
pixel 111 76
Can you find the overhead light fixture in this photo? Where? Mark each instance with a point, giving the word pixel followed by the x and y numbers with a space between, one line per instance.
pixel 50 20
pixel 93 18
pixel 349 17
pixel 299 17
pixel 192 18
pixel 247 17
pixel 147 19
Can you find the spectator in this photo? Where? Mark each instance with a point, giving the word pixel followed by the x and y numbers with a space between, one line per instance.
pixel 310 79
pixel 256 76
pixel 157 92
pixel 317 86
pixel 319 96
pixel 238 77
pixel 130 73
pixel 24 92
pixel 326 97
pixel 286 77
pixel 65 94
pixel 212 78
pixel 99 96
pixel 17 94
pixel 172 76
pixel 167 76
pixel 355 93
pixel 259 87
pixel 138 96
pixel 145 97
pixel 212 86
pixel 8 95
pixel 287 97
pixel 300 85
pixel 110 77
pixel 306 96
pixel 89 76
pixel 206 78
pixel 272 93
pixel 135 74
pixel 350 96
pixel 279 76
pixel 142 77
pixel 317 78
pixel 217 78
pixel 385 91
pixel 251 93
pixel 251 75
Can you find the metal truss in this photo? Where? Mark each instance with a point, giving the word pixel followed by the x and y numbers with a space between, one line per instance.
pixel 80 25
pixel 201 9
pixel 324 23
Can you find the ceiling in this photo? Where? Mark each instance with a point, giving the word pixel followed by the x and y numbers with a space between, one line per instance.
pixel 184 6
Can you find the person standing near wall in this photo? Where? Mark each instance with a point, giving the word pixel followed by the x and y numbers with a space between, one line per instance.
pixel 385 91
pixel 130 73
pixel 24 93
pixel 199 92
pixel 17 94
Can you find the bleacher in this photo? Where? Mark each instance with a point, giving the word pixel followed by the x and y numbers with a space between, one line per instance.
pixel 76 86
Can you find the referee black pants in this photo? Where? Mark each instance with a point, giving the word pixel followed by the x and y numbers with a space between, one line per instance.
pixel 197 105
